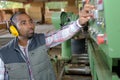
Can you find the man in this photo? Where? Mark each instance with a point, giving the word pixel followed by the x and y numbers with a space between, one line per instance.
pixel 25 57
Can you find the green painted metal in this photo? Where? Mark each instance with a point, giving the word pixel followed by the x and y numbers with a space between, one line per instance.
pixel 56 20
pixel 60 19
pixel 66 50
pixel 104 57
pixel 64 18
pixel 100 70
pixel 115 77
pixel 112 20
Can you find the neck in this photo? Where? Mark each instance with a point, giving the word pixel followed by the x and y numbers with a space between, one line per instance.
pixel 22 41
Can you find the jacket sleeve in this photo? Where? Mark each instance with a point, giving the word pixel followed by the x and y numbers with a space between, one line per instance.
pixel 2 70
pixel 62 35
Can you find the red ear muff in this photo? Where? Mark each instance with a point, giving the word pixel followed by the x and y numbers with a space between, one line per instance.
pixel 13 31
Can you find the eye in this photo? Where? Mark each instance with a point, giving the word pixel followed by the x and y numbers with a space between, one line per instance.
pixel 23 23
pixel 31 21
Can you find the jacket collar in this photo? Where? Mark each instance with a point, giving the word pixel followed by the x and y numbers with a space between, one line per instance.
pixel 15 43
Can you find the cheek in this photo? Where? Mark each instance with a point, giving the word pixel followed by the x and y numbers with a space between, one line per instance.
pixel 22 31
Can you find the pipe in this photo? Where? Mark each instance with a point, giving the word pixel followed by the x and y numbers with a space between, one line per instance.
pixel 79 70
pixel 77 55
pixel 61 74
pixel 83 61
pixel 66 50
pixel 82 58
pixel 80 62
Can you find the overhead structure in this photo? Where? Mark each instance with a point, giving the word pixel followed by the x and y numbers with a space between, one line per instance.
pixel 26 1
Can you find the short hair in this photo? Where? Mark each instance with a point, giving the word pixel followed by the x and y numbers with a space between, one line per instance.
pixel 13 18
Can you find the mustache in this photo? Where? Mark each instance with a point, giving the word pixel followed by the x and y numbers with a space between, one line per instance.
pixel 32 29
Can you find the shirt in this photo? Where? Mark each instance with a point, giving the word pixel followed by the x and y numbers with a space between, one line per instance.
pixel 25 53
pixel 2 70
pixel 53 39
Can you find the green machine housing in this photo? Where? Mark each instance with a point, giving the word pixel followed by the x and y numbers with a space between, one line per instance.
pixel 104 40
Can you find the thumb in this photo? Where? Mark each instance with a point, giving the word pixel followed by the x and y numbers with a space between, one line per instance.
pixel 87 1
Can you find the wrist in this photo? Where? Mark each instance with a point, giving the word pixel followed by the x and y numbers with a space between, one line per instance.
pixel 78 23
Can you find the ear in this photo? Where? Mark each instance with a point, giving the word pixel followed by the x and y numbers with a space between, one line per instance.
pixel 13 31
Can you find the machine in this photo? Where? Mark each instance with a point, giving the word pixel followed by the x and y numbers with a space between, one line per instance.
pixel 74 59
pixel 103 41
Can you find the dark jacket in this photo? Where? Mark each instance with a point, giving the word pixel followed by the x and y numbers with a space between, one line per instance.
pixel 15 63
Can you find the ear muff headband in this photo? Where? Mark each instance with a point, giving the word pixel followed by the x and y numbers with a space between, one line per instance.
pixel 13 28
pixel 13 31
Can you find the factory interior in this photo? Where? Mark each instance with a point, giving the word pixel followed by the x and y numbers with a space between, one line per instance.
pixel 91 54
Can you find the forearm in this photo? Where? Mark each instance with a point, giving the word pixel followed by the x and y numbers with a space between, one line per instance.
pixel 64 34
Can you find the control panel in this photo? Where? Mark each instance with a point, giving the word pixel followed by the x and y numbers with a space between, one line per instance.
pixel 104 41
pixel 97 23
pixel 104 27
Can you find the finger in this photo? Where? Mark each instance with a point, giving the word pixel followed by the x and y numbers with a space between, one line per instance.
pixel 87 1
pixel 87 9
pixel 83 20
pixel 89 6
pixel 84 14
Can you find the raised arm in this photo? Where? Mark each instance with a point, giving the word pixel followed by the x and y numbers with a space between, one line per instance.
pixel 70 30
pixel 64 34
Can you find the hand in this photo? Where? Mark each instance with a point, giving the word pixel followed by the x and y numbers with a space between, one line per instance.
pixel 85 15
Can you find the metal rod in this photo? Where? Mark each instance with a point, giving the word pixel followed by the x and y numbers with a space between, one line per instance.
pixel 80 70
pixel 80 62
pixel 82 58
pixel 77 55
pixel 61 74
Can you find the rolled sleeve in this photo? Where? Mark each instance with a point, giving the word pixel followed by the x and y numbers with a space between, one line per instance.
pixel 64 34
pixel 78 24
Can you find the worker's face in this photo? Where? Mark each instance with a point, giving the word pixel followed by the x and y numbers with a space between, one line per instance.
pixel 25 26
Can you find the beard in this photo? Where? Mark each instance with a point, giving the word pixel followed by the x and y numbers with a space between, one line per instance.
pixel 30 35
pixel 27 35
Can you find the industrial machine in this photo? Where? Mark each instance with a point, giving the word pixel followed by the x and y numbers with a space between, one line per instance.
pixel 74 59
pixel 103 41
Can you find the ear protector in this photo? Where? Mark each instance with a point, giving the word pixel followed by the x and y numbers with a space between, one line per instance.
pixel 13 29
